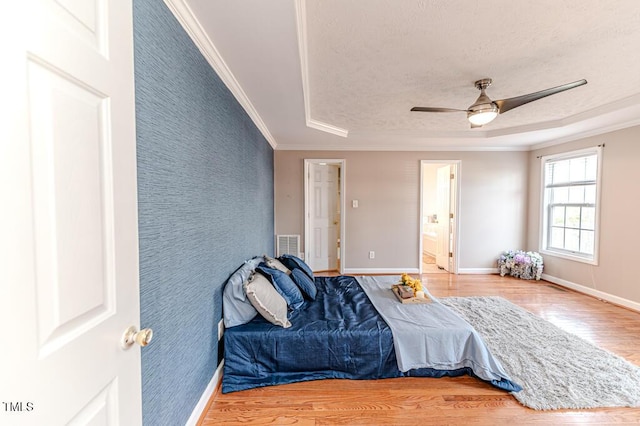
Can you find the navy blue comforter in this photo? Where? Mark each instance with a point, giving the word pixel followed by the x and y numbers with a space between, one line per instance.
pixel 339 335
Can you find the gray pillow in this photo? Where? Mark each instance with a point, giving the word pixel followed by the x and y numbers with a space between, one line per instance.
pixel 237 309
pixel 264 297
pixel 276 264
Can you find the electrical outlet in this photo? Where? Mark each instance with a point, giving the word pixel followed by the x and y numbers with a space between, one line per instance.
pixel 220 329
pixel 372 255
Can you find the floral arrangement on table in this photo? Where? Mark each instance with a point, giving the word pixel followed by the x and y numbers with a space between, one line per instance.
pixel 517 263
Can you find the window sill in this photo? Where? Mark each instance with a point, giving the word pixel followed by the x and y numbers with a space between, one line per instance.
pixel 570 256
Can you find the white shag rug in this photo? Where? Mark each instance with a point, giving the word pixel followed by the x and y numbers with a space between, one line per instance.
pixel 556 369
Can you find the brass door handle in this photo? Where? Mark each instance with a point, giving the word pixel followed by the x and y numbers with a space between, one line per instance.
pixel 132 335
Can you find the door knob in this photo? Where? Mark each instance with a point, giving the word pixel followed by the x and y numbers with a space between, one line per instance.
pixel 132 335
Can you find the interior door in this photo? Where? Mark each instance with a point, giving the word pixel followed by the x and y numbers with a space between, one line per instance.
pixel 324 216
pixel 68 251
pixel 443 238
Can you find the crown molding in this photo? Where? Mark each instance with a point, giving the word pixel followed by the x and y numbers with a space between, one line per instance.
pixel 617 115
pixel 191 25
pixel 301 27
pixel 396 148
pixel 326 127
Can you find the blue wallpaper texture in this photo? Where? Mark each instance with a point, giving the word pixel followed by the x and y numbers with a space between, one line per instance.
pixel 205 194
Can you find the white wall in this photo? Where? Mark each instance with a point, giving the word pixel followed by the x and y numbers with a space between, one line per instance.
pixel 619 225
pixel 493 204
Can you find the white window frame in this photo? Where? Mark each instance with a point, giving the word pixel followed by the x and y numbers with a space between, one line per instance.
pixel 544 219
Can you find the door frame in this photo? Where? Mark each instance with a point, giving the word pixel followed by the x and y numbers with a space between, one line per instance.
pixel 456 166
pixel 307 209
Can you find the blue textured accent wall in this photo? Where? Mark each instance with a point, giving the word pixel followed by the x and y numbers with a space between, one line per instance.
pixel 205 193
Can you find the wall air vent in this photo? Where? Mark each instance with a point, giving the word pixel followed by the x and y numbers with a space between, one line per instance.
pixel 288 244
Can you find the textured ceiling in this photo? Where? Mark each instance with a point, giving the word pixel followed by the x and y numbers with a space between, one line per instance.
pixel 360 65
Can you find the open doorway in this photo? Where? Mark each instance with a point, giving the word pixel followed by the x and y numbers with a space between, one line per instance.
pixel 324 214
pixel 438 217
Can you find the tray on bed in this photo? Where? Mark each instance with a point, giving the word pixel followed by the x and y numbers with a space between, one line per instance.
pixel 411 300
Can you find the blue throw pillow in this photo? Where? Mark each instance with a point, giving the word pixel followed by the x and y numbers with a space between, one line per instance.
pixel 292 262
pixel 305 283
pixel 283 285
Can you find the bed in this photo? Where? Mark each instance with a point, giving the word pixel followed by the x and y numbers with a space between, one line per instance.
pixel 341 335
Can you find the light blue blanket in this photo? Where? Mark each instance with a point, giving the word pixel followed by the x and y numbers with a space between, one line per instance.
pixel 430 335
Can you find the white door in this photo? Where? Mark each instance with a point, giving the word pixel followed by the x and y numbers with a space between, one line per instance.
pixel 443 238
pixel 68 221
pixel 324 216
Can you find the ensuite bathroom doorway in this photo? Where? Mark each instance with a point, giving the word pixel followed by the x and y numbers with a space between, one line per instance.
pixel 439 221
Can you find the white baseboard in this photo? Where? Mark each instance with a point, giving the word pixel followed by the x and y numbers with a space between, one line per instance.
pixel 630 304
pixel 478 271
pixel 381 271
pixel 206 395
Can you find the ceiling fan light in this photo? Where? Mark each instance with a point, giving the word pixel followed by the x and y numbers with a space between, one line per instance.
pixel 482 116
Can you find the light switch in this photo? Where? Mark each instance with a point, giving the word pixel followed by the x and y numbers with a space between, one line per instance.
pixel 355 204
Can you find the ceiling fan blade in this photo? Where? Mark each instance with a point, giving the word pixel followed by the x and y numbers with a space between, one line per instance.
pixel 434 109
pixel 508 104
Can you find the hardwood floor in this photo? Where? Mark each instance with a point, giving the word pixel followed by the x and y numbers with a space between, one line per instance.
pixel 446 401
pixel 429 265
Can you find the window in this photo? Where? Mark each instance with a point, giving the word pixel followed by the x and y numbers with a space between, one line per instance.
pixel 571 193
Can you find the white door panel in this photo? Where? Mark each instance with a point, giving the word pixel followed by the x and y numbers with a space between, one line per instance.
pixel 74 234
pixel 324 216
pixel 69 252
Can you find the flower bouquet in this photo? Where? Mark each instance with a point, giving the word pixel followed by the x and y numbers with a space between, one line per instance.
pixel 517 263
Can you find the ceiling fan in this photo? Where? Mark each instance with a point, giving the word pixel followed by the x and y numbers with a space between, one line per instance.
pixel 484 110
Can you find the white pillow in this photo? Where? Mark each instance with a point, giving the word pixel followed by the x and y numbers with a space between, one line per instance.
pixel 264 297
